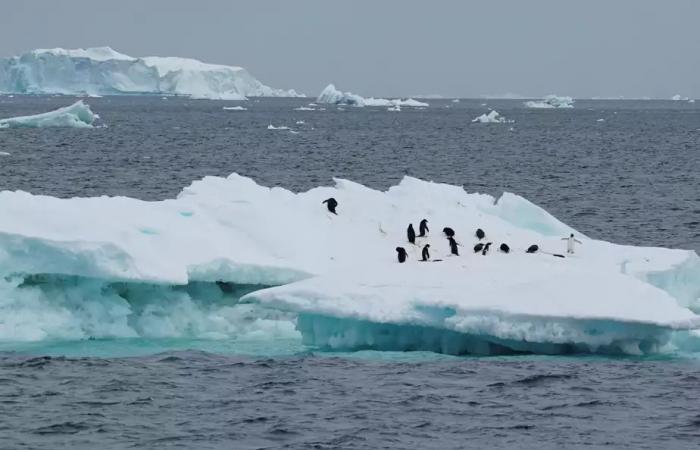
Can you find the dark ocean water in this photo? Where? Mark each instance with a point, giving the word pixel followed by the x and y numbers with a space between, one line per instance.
pixel 632 178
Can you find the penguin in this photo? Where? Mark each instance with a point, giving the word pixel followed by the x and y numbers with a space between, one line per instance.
pixel 425 253
pixel 423 228
pixel 411 234
pixel 453 246
pixel 570 243
pixel 504 248
pixel 532 249
pixel 486 249
pixel 449 232
pixel 401 253
pixel 480 233
pixel 478 247
pixel 331 203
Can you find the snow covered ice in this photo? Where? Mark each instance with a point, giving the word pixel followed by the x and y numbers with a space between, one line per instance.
pixel 77 115
pixel 81 267
pixel 492 117
pixel 551 101
pixel 103 71
pixel 333 96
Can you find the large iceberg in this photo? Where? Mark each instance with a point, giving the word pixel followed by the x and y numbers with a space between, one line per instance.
pixel 551 101
pixel 230 256
pixel 335 97
pixel 103 71
pixel 77 115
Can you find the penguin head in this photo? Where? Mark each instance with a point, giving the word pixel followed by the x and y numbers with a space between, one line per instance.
pixel 427 246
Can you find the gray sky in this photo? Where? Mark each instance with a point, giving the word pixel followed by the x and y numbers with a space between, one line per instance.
pixel 632 48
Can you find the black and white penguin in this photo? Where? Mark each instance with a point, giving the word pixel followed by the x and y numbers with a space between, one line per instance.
pixel 504 248
pixel 331 203
pixel 485 250
pixel 480 233
pixel 401 253
pixel 532 249
pixel 411 233
pixel 478 247
pixel 449 232
pixel 425 254
pixel 423 228
pixel 453 246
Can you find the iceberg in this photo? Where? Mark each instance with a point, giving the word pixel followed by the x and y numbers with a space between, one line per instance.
pixel 104 71
pixel 77 115
pixel 492 117
pixel 235 108
pixel 552 101
pixel 213 264
pixel 333 96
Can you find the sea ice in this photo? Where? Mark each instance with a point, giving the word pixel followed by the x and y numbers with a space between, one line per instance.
pixel 115 266
pixel 333 96
pixel 552 101
pixel 77 115
pixel 492 117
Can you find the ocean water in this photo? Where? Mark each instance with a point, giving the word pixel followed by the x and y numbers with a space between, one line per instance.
pixel 631 178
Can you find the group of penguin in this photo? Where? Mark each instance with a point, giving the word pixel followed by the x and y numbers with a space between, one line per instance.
pixel 480 247
pixel 423 229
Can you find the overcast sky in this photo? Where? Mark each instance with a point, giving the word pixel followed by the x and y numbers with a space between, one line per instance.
pixel 631 48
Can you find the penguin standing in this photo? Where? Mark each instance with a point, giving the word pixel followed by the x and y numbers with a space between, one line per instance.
pixel 532 249
pixel 411 233
pixel 486 249
pixel 401 254
pixel 478 247
pixel 331 203
pixel 504 248
pixel 570 243
pixel 425 254
pixel 449 232
pixel 453 246
pixel 480 233
pixel 423 228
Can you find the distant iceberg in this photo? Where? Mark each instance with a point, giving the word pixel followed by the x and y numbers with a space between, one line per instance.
pixel 491 117
pixel 121 267
pixel 333 96
pixel 235 108
pixel 552 101
pixel 679 97
pixel 77 115
pixel 104 71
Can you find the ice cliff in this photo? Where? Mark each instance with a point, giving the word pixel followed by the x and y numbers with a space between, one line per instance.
pixel 103 71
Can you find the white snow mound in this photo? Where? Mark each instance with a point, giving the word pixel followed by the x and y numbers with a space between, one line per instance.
pixel 104 71
pixel 77 115
pixel 337 274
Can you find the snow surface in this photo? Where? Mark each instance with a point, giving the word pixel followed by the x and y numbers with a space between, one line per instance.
pixel 552 101
pixel 492 117
pixel 104 71
pixel 72 268
pixel 77 115
pixel 335 97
